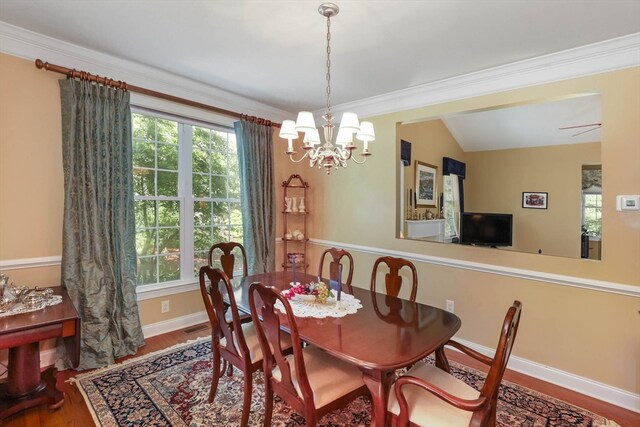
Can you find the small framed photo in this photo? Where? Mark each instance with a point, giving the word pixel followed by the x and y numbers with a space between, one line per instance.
pixel 426 189
pixel 535 200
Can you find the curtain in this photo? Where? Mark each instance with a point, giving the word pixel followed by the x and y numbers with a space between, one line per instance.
pixel 98 247
pixel 257 194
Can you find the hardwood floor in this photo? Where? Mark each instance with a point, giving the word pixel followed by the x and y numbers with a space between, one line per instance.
pixel 74 412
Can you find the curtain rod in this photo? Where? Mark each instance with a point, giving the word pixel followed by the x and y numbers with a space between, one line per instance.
pixel 83 75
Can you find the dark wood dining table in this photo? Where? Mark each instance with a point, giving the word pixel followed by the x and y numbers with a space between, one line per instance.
pixel 386 334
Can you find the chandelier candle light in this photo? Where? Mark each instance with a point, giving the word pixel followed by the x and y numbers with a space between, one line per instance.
pixel 328 154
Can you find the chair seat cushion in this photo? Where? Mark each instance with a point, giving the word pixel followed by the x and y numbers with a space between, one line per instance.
pixel 253 343
pixel 329 377
pixel 425 408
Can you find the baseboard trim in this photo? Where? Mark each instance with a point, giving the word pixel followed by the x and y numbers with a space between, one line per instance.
pixel 582 385
pixel 519 273
pixel 174 324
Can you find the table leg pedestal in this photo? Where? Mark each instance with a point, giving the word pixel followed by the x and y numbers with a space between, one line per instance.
pixel 26 387
pixel 378 384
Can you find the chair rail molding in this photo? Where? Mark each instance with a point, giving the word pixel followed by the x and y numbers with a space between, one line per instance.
pixel 558 279
pixel 19 264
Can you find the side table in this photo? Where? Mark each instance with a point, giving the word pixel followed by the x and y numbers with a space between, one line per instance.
pixel 21 333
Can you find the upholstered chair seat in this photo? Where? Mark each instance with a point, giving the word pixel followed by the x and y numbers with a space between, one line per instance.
pixel 330 378
pixel 426 409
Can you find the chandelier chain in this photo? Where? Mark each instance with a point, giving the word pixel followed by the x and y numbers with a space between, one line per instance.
pixel 328 64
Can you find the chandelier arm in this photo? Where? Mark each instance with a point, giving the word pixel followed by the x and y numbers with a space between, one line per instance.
pixel 300 159
pixel 364 159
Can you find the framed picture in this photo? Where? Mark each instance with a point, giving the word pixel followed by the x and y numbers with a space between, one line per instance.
pixel 426 188
pixel 535 200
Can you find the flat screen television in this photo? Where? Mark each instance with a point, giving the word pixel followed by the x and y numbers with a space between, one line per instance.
pixel 486 229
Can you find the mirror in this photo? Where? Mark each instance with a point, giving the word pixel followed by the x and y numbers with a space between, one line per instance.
pixel 523 177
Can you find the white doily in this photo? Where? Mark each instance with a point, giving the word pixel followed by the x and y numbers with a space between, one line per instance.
pixel 348 305
pixel 21 308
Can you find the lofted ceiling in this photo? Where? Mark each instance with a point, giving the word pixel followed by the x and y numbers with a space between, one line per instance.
pixel 274 51
pixel 559 122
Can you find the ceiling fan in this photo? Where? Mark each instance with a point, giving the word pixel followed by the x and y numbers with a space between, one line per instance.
pixel 592 126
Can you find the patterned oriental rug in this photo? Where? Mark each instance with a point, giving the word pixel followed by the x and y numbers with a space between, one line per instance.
pixel 170 388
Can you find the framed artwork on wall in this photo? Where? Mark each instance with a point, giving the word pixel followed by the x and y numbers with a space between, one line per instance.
pixel 426 188
pixel 534 200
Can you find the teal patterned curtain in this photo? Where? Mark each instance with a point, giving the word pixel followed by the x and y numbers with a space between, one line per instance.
pixel 257 194
pixel 99 253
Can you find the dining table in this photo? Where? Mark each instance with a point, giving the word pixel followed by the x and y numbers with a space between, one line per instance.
pixel 385 335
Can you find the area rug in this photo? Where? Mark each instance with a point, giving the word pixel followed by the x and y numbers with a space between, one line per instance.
pixel 170 388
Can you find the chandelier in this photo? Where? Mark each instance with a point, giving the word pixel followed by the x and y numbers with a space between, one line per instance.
pixel 328 154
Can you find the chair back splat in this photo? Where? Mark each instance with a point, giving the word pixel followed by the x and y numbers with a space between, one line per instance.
pixel 393 280
pixel 228 258
pixel 336 257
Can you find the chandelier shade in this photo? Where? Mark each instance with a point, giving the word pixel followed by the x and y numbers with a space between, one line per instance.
pixel 331 153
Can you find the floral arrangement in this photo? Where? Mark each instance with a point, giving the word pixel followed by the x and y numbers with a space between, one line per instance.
pixel 320 290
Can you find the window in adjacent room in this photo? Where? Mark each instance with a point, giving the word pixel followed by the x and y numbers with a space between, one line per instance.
pixel 592 213
pixel 186 183
pixel 451 206
pixel 592 199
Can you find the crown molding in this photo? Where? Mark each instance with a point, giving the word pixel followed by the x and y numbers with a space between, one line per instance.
pixel 29 45
pixel 610 55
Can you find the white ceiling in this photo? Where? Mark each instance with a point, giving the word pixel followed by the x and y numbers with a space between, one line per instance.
pixel 532 125
pixel 274 51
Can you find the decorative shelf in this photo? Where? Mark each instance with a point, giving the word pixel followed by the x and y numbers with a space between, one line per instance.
pixel 295 190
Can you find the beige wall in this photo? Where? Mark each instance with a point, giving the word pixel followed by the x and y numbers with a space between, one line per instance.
pixel 588 333
pixel 496 179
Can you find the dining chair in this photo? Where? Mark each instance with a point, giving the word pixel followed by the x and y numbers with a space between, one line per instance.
pixel 236 343
pixel 310 380
pixel 228 257
pixel 435 397
pixel 393 280
pixel 336 257
pixel 228 252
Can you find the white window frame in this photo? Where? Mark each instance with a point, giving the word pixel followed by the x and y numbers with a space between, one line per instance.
pixel 186 199
pixel 599 208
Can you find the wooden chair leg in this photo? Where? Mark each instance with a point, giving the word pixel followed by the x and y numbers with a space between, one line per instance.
pixel 311 417
pixel 246 404
pixel 216 375
pixel 441 360
pixel 268 404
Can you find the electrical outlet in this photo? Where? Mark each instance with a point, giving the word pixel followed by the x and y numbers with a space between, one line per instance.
pixel 164 308
pixel 450 306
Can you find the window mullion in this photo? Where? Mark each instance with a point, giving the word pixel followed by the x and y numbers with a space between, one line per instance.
pixel 186 195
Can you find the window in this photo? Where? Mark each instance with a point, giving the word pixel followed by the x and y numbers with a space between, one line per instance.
pixel 592 213
pixel 450 206
pixel 187 195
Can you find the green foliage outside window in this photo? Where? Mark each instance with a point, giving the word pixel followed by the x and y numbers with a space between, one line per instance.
pixel 215 193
